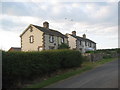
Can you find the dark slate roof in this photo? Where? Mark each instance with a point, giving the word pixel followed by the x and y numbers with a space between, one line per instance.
pixel 50 31
pixel 81 38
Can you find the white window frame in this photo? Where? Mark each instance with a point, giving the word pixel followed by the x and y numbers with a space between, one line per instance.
pixel 31 39
pixel 62 40
pixel 51 38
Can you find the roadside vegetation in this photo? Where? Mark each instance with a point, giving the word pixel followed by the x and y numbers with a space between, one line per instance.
pixel 85 67
pixel 105 51
pixel 40 69
pixel 20 67
pixel 63 46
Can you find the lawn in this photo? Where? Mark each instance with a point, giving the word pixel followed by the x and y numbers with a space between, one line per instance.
pixel 85 67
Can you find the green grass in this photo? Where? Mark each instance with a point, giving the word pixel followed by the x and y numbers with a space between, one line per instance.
pixel 85 67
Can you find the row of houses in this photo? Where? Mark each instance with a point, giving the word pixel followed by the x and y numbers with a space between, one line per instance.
pixel 37 38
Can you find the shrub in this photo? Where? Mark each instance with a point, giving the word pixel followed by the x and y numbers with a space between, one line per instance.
pixel 23 66
pixel 118 50
pixel 107 56
pixel 90 51
pixel 63 46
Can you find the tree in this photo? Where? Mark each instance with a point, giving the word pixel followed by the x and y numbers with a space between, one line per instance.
pixel 63 46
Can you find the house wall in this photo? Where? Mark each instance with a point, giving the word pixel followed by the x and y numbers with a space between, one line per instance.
pixel 81 47
pixel 75 43
pixel 93 45
pixel 72 42
pixel 25 40
pixel 57 41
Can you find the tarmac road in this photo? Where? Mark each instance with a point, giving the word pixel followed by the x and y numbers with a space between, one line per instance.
pixel 105 76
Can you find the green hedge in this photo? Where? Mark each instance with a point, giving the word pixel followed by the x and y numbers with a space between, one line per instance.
pixel 21 66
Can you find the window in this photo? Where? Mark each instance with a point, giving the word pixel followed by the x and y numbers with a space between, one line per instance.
pixel 85 43
pixel 51 39
pixel 80 42
pixel 58 40
pixel 62 41
pixel 90 44
pixel 31 39
pixel 80 49
pixel 51 47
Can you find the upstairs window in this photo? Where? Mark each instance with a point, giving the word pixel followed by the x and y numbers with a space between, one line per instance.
pixel 62 41
pixel 80 42
pixel 85 43
pixel 31 39
pixel 51 39
pixel 90 44
pixel 94 45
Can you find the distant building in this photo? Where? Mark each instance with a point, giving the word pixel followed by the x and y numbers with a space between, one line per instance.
pixel 82 44
pixel 14 49
pixel 37 38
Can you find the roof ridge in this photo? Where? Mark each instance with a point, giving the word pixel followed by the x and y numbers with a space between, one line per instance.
pixel 82 38
pixel 50 31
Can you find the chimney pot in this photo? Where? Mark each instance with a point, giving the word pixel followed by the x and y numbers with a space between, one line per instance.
pixel 46 24
pixel 74 33
pixel 84 35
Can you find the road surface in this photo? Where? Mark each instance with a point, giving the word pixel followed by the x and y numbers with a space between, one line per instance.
pixel 105 76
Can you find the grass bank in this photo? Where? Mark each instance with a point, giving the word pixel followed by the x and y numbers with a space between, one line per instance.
pixel 85 67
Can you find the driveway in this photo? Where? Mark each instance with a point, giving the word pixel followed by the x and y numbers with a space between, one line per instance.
pixel 105 76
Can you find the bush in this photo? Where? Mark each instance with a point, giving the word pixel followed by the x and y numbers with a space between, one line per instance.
pixel 118 50
pixel 107 56
pixel 22 66
pixel 63 46
pixel 89 51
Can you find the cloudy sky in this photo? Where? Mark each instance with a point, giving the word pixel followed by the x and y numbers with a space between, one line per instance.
pixel 98 20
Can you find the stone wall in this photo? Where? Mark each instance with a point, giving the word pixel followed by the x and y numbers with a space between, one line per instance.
pixel 92 57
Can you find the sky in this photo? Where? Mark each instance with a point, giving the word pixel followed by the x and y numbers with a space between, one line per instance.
pixel 98 20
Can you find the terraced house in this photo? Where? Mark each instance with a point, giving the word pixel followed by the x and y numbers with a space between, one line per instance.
pixel 82 44
pixel 37 38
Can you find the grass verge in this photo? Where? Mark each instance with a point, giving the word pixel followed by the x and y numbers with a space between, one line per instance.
pixel 85 67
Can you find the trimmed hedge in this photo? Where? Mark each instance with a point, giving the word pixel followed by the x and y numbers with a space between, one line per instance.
pixel 22 66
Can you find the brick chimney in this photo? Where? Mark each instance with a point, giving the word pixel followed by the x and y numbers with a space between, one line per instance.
pixel 84 35
pixel 74 33
pixel 46 25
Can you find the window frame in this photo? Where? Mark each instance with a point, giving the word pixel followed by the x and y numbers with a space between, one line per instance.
pixel 85 43
pixel 62 40
pixel 31 39
pixel 80 42
pixel 51 38
pixel 90 44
